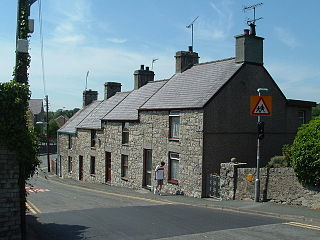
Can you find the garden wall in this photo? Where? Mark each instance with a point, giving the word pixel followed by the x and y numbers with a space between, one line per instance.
pixel 276 184
pixel 9 196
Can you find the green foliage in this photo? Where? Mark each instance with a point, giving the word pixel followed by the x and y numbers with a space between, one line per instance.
pixel 316 111
pixel 278 162
pixel 15 134
pixel 305 153
pixel 53 128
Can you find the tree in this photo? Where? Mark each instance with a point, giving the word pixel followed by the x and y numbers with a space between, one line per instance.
pixel 305 153
pixel 53 128
pixel 316 111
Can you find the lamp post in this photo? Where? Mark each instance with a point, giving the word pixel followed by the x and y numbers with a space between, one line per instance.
pixel 257 181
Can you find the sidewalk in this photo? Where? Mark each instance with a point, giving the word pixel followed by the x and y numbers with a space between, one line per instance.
pixel 289 212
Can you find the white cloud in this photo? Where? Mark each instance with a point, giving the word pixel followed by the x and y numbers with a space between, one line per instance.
pixel 286 37
pixel 117 40
pixel 296 81
pixel 219 27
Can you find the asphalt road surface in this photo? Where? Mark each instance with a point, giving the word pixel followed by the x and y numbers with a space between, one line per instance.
pixel 69 212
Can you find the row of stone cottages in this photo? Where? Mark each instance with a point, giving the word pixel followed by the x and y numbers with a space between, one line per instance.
pixel 193 121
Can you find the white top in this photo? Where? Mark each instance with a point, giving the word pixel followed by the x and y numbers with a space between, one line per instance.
pixel 159 172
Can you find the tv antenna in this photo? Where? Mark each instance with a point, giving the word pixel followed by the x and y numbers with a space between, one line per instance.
pixel 191 26
pixel 252 22
pixel 87 80
pixel 153 60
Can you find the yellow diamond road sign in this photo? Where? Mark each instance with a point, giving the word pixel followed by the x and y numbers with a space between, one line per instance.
pixel 261 105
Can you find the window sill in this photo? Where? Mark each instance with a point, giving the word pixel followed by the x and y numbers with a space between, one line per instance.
pixel 174 139
pixel 124 179
pixel 125 144
pixel 93 148
pixel 174 182
pixel 92 175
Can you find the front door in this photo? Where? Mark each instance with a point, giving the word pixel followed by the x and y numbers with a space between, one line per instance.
pixel 80 168
pixel 147 168
pixel 108 166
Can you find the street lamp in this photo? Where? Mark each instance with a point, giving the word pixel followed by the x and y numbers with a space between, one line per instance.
pixel 257 181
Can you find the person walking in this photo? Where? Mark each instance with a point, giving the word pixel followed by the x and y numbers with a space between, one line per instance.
pixel 159 176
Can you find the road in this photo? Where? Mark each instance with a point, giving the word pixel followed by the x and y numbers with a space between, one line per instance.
pixel 63 211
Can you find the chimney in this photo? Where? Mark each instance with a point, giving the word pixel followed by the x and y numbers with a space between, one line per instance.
pixel 110 89
pixel 89 96
pixel 142 77
pixel 249 47
pixel 186 59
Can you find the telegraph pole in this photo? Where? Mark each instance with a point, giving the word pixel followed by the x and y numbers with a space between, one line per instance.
pixel 48 143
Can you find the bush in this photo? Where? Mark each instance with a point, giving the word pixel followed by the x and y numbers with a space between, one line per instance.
pixel 305 153
pixel 278 162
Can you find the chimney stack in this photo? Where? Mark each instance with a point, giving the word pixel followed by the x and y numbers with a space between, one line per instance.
pixel 142 77
pixel 186 59
pixel 249 47
pixel 110 89
pixel 89 96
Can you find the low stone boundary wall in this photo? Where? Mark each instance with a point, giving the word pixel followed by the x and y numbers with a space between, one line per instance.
pixel 276 184
pixel 10 221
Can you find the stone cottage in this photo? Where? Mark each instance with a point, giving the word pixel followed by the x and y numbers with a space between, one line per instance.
pixel 193 121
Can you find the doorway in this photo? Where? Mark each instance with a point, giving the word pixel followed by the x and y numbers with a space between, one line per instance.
pixel 147 168
pixel 80 168
pixel 108 167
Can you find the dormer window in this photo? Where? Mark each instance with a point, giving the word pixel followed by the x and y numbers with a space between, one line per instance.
pixel 125 133
pixel 174 128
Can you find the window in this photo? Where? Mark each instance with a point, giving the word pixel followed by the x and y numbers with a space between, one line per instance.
pixel 125 133
pixel 173 167
pixel 302 117
pixel 92 165
pixel 69 164
pixel 174 128
pixel 93 138
pixel 124 166
pixel 69 141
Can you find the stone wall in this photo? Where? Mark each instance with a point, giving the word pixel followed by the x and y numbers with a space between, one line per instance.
pixel 10 221
pixel 276 184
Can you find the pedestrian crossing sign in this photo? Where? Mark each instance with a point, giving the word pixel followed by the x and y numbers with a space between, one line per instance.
pixel 261 105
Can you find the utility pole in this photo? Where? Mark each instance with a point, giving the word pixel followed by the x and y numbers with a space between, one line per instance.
pixel 48 143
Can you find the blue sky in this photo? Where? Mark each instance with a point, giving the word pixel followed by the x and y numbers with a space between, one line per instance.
pixel 112 38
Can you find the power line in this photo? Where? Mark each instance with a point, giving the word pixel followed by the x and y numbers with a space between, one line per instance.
pixel 41 47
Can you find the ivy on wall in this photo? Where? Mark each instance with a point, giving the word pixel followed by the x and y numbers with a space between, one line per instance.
pixel 14 132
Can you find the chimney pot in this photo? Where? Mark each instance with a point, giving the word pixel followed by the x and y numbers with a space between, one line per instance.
pixel 142 67
pixel 190 49
pixel 246 31
pixel 147 68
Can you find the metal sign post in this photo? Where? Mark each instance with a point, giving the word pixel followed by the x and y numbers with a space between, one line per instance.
pixel 257 181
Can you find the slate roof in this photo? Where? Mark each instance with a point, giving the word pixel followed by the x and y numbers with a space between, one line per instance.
pixel 36 106
pixel 194 87
pixel 76 119
pixel 128 108
pixel 93 120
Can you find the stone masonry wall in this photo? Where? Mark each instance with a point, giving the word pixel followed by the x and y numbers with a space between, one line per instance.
pixel 9 196
pixel 276 184
pixel 151 132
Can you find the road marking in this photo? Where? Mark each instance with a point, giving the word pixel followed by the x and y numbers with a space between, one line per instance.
pixel 35 190
pixel 118 194
pixel 33 209
pixel 297 224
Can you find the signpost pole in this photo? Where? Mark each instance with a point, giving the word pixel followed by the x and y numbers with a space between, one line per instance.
pixel 257 181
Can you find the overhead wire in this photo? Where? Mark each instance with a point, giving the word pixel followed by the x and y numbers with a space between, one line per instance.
pixel 41 48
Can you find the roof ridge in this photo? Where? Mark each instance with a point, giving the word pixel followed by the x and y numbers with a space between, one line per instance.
pixel 215 61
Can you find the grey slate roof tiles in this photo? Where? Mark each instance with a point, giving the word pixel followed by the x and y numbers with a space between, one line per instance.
pixel 93 120
pixel 71 125
pixel 194 87
pixel 190 89
pixel 128 108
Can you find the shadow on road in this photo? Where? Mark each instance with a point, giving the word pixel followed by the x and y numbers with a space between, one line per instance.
pixel 45 231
